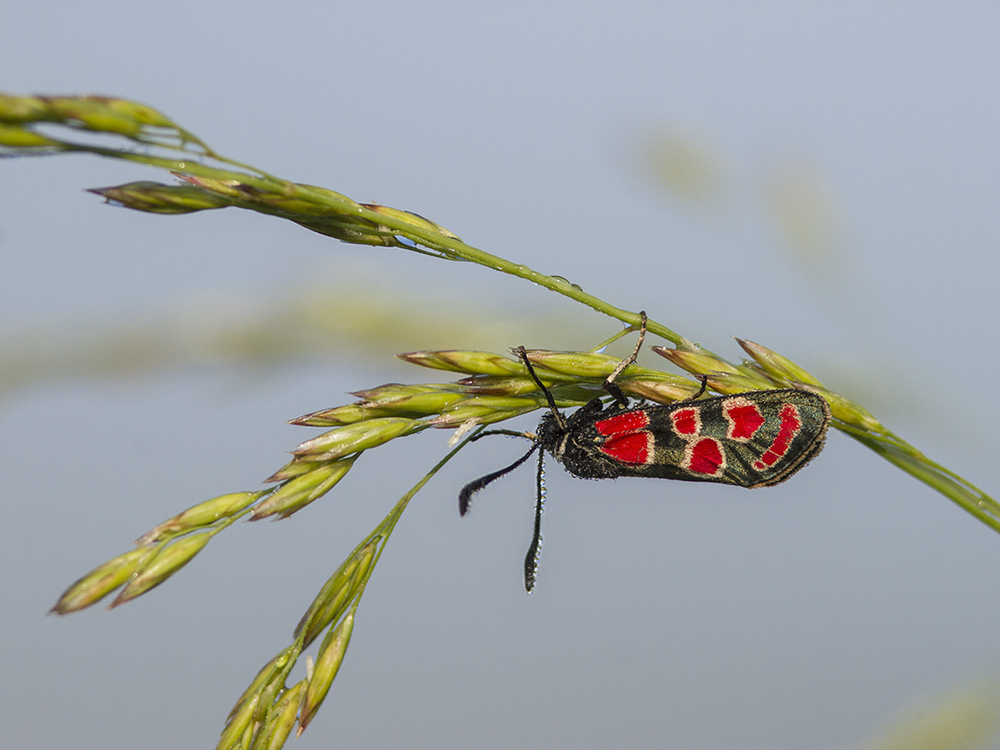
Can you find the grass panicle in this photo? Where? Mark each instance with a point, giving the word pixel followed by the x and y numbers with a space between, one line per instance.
pixel 494 387
pixel 167 560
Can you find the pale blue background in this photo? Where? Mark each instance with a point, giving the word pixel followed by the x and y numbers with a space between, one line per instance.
pixel 668 614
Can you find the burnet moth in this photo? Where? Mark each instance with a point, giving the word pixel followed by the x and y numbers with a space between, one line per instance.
pixel 751 439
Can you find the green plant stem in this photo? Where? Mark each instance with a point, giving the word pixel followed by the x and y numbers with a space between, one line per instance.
pixel 465 252
pixel 900 453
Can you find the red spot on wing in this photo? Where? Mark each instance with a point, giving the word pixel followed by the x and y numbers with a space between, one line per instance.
pixel 744 418
pixel 632 448
pixel 626 442
pixel 790 426
pixel 686 421
pixel 629 421
pixel 704 456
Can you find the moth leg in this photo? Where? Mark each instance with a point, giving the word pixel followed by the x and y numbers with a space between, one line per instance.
pixel 701 391
pixel 609 383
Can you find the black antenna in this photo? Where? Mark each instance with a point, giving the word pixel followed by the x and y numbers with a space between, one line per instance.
pixel 560 419
pixel 465 496
pixel 535 548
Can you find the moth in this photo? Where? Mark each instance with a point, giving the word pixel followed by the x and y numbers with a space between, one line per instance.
pixel 751 439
